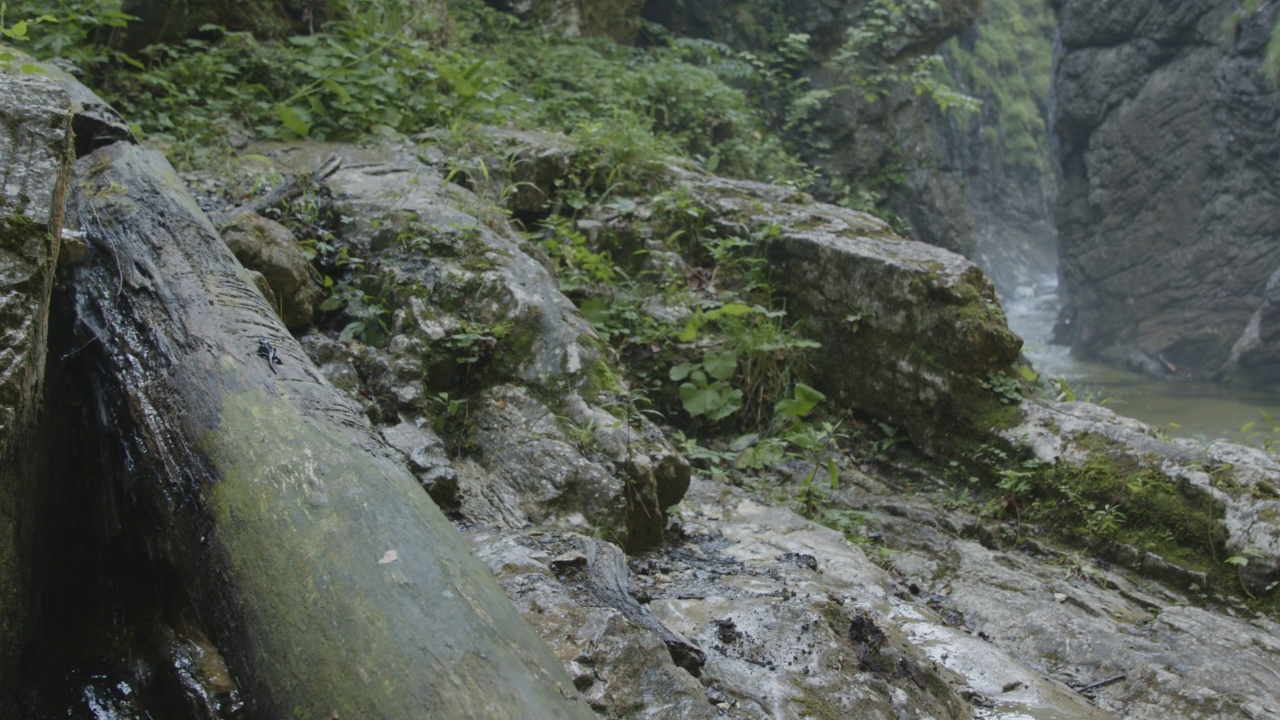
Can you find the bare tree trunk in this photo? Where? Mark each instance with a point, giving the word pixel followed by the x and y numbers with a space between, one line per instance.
pixel 333 585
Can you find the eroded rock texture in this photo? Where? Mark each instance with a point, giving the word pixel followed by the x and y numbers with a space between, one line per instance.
pixel 481 344
pixel 1168 144
pixel 910 332
pixel 35 154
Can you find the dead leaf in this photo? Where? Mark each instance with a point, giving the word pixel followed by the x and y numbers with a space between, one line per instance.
pixel 389 556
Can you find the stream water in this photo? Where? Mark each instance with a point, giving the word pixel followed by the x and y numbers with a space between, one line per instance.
pixel 1193 409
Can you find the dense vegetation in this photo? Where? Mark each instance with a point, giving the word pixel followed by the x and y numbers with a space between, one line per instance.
pixel 1007 60
pixel 379 73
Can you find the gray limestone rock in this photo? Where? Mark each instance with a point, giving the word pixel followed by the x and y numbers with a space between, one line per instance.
pixel 621 667
pixel 425 451
pixel 1255 357
pixel 1070 617
pixel 35 157
pixel 894 148
pixel 1240 484
pixel 1167 215
pixel 483 343
pixel 792 621
pixel 911 333
pixel 269 248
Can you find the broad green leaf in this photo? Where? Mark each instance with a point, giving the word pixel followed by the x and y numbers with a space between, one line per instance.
pixel 696 400
pixel 681 371
pixel 292 120
pixel 338 90
pixel 727 404
pixel 720 365
pixel 351 331
pixel 730 310
pixel 691 328
pixel 808 395
pixel 804 401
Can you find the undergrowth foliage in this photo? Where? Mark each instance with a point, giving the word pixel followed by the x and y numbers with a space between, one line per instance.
pixel 394 72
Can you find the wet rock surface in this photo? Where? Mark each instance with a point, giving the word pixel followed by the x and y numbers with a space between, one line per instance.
pixel 36 151
pixel 1241 484
pixel 1255 357
pixel 268 248
pixel 792 618
pixel 478 343
pixel 1074 617
pixel 919 606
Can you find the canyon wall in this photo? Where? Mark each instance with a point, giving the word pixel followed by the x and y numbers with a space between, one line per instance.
pixel 1169 207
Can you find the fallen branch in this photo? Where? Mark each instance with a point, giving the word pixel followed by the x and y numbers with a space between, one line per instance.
pixel 1100 683
pixel 294 186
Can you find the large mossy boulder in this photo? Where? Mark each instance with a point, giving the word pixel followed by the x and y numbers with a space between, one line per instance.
pixel 467 336
pixel 1186 507
pixel 911 334
pixel 35 156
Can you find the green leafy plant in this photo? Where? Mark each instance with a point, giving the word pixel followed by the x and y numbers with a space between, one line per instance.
pixel 1007 60
pixel 17 33
pixel 1268 439
pixel 1007 388
pixel 803 401
pixel 808 495
pixel 1105 521
pixel 706 390
pixel 365 313
pixel 63 29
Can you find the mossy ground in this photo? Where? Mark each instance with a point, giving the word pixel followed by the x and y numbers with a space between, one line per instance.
pixel 1115 506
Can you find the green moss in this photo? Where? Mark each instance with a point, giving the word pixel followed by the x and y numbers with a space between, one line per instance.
pixel 601 379
pixel 23 235
pixel 273 496
pixel 1115 504
pixel 301 516
pixel 814 704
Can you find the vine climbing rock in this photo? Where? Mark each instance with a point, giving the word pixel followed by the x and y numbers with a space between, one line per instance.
pixel 35 154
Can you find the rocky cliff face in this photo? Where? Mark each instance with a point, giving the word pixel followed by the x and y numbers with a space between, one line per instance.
pixel 1168 211
pixel 947 174
pixel 999 155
